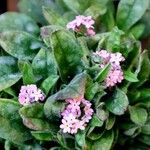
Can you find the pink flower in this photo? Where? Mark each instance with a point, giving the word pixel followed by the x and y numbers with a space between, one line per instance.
pixel 73 119
pixel 88 110
pixel 81 125
pixel 116 74
pixel 29 94
pixel 71 25
pixel 70 118
pixel 103 53
pixel 66 126
pixel 82 21
pixel 79 20
pixel 90 32
pixel 114 77
pixel 116 58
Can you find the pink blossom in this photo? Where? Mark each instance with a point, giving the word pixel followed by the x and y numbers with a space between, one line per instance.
pixel 29 94
pixel 90 32
pixel 81 125
pixel 103 53
pixel 88 110
pixel 74 120
pixel 116 58
pixel 66 126
pixel 70 118
pixel 71 25
pixel 115 74
pixel 82 21
pixel 114 77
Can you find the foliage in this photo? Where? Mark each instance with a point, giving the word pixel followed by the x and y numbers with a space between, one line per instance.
pixel 37 48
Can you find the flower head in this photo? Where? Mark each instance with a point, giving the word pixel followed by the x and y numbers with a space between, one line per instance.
pixel 29 94
pixel 73 119
pixel 115 74
pixel 82 21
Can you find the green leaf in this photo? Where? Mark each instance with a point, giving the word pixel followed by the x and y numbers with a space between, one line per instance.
pixel 133 131
pixel 33 117
pixel 8 65
pixel 137 30
pixel 114 40
pixel 110 122
pixel 48 83
pixel 103 73
pixel 101 113
pixel 145 20
pixel 91 90
pixel 33 8
pixel 108 18
pixel 53 17
pixel 11 127
pixel 7 81
pixel 144 139
pixel 144 93
pixel 117 103
pixel 105 142
pixel 146 128
pixel 27 73
pixel 134 54
pixel 7 145
pixel 95 121
pixel 43 135
pixel 32 111
pixel 138 115
pixel 75 7
pixel 144 70
pixel 47 31
pixel 85 49
pixel 66 142
pixel 130 129
pixel 95 133
pixel 17 21
pixel 9 108
pixel 19 44
pixel 129 76
pixel 11 92
pixel 44 64
pixel 75 89
pixel 36 124
pixel 80 139
pixel 129 12
pixel 68 63
pixel 96 8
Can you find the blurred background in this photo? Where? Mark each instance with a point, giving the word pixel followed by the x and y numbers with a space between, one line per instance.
pixel 11 5
pixel 8 5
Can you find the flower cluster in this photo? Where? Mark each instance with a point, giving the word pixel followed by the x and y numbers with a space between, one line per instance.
pixel 30 94
pixel 115 74
pixel 82 21
pixel 76 115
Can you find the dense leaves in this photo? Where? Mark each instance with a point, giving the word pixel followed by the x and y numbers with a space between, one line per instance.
pixel 11 127
pixel 66 53
pixel 118 103
pixel 61 63
pixel 129 12
pixel 54 106
pixel 17 21
pixel 19 44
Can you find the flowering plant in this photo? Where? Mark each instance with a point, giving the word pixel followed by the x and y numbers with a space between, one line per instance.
pixel 74 84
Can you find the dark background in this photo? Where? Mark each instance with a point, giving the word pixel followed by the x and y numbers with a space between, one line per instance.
pixel 8 5
pixel 3 6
